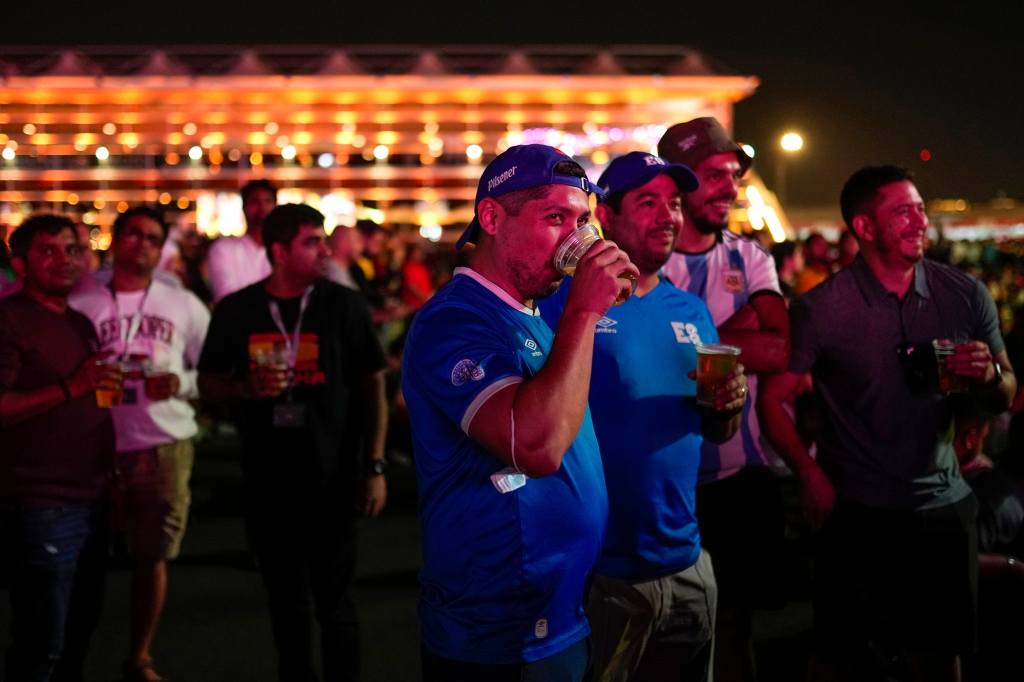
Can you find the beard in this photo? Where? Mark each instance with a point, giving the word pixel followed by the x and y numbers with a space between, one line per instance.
pixel 700 220
pixel 529 282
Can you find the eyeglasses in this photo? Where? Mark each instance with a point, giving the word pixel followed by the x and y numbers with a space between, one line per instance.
pixel 151 239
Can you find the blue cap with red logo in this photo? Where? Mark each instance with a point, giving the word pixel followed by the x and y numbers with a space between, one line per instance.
pixel 636 169
pixel 522 167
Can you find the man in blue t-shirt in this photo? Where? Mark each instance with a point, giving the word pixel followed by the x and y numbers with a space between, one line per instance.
pixel 654 597
pixel 512 495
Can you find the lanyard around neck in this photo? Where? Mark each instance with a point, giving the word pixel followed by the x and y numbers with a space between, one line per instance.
pixel 128 333
pixel 291 344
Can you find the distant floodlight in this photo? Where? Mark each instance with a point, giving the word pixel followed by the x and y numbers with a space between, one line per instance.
pixel 792 142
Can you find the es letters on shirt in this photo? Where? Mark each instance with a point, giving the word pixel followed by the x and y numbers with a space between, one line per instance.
pixel 686 332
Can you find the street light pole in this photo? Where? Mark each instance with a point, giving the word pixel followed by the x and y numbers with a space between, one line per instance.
pixel 791 143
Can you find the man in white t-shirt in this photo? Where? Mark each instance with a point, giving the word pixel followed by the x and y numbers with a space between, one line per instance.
pixel 158 330
pixel 236 262
pixel 739 505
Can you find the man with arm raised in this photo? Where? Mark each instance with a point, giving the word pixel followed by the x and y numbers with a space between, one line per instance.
pixel 512 495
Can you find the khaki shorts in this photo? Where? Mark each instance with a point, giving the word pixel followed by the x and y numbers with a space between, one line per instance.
pixel 155 497
pixel 656 630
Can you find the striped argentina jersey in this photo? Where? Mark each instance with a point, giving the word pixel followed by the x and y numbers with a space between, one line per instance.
pixel 726 277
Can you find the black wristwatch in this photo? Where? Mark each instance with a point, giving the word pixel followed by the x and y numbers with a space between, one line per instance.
pixel 378 466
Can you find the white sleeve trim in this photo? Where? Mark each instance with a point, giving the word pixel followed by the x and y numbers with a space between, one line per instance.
pixel 483 397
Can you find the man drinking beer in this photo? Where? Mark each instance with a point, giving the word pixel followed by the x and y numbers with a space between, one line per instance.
pixel 652 604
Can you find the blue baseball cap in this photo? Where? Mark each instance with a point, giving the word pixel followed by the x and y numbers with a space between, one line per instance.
pixel 636 169
pixel 521 167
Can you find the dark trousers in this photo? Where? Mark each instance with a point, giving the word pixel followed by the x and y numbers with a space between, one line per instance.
pixel 307 561
pixel 568 665
pixel 55 560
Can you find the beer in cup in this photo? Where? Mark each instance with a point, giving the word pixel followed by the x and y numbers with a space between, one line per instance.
pixel 949 381
pixel 111 397
pixel 569 252
pixel 714 363
pixel 155 377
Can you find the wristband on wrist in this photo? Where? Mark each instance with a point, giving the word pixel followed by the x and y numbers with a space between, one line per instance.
pixel 65 390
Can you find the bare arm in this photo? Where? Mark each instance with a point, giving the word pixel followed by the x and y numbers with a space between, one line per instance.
pixel 817 494
pixel 999 566
pixel 974 361
pixel 265 382
pixel 767 348
pixel 375 431
pixel 17 407
pixel 549 407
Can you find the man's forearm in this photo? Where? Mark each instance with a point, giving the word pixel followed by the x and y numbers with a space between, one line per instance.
pixel 997 399
pixel 550 407
pixel 375 414
pixel 220 388
pixel 763 351
pixel 18 407
pixel 779 429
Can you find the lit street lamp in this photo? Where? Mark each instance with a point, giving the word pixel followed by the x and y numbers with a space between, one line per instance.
pixel 791 143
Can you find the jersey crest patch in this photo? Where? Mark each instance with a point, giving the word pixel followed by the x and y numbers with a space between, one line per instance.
pixel 733 282
pixel 466 370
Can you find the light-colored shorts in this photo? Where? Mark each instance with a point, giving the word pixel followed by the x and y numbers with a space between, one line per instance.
pixel 155 497
pixel 656 630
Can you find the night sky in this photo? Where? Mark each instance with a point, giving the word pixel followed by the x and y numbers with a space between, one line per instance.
pixel 863 82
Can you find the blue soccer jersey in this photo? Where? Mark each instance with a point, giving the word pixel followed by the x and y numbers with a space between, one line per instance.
pixel 648 427
pixel 503 574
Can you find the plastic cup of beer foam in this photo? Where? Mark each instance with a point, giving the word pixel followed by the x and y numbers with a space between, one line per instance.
pixel 949 381
pixel 715 362
pixel 571 250
pixel 111 397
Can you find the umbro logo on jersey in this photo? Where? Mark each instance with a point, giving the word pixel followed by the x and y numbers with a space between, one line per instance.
pixel 686 332
pixel 605 324
pixel 532 345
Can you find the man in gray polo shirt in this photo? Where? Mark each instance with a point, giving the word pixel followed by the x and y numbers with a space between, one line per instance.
pixel 896 564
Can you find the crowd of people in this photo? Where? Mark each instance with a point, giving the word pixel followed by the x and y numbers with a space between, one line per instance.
pixel 586 513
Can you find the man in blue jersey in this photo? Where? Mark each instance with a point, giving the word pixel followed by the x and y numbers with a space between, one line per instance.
pixel 742 522
pixel 512 495
pixel 652 605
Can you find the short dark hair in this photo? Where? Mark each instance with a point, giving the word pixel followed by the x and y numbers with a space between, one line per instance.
pixel 861 190
pixel 781 251
pixel 614 202
pixel 367 227
pixel 513 202
pixel 254 185
pixel 43 223
pixel 145 211
pixel 282 225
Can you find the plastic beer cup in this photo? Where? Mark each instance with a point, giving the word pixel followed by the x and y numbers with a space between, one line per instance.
pixel 949 381
pixel 111 397
pixel 153 376
pixel 714 363
pixel 569 252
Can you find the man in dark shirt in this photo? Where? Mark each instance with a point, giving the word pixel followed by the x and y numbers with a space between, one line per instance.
pixel 886 490
pixel 299 358
pixel 56 447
